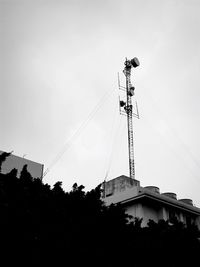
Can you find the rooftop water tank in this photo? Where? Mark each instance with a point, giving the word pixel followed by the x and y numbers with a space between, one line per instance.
pixel 170 194
pixel 187 201
pixel 153 189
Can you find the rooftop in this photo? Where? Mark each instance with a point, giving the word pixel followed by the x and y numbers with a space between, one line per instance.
pixel 125 190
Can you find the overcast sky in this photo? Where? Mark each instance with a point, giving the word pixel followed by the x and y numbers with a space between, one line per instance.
pixel 59 65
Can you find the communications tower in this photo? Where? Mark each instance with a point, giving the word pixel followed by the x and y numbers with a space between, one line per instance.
pixel 126 108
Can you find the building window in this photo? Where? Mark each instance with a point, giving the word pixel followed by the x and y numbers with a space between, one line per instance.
pixel 188 220
pixel 173 216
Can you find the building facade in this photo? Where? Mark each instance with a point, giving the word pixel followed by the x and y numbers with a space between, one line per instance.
pixel 12 161
pixel 148 203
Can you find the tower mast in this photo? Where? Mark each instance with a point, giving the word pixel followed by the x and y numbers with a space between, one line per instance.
pixel 128 107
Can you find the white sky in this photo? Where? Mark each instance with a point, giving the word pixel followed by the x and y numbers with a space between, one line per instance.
pixel 60 58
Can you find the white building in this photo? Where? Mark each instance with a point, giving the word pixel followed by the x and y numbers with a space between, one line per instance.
pixel 12 161
pixel 148 203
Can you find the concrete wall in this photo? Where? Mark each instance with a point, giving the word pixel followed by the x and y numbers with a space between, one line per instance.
pixel 143 211
pixel 116 198
pixel 135 210
pixel 119 185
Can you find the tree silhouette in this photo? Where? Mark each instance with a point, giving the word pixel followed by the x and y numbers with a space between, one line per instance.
pixel 43 226
pixel 3 157
pixel 12 173
pixel 25 174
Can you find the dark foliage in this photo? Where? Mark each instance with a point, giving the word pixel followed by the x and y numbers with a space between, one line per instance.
pixel 40 226
pixel 3 157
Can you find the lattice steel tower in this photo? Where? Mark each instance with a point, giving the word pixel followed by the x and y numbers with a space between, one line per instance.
pixel 128 110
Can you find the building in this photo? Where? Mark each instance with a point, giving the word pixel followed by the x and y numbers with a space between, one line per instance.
pixel 12 161
pixel 148 203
